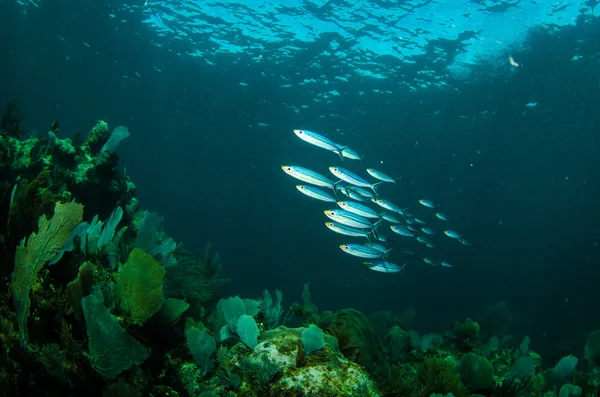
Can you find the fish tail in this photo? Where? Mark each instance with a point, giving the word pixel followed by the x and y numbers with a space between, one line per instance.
pixel 376 225
pixel 402 268
pixel 339 153
pixel 374 188
pixel 375 235
pixel 335 192
pixel 396 181
pixel 361 160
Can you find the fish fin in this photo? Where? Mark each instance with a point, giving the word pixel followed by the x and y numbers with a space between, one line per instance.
pixel 335 192
pixel 374 188
pixel 375 235
pixel 406 214
pixel 376 225
pixel 388 251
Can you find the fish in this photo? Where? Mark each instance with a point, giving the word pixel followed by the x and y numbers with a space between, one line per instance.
pixel 379 247
pixel 441 216
pixel 427 230
pixel 382 177
pixel 320 141
pixel 361 192
pixel 402 230
pixel 430 261
pixel 419 221
pixel 348 218
pixel 308 176
pixel 384 239
pixel 428 203
pixel 315 193
pixel 390 218
pixel 423 240
pixel 353 179
pixel 383 266
pixel 349 231
pixel 358 209
pixel 464 242
pixel 453 234
pixel 431 245
pixel 350 193
pixel 351 154
pixel 407 252
pixel 388 205
pixel 362 251
pixel 445 264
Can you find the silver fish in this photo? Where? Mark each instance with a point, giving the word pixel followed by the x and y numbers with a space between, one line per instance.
pixel 362 251
pixel 445 264
pixel 315 193
pixel 320 141
pixel 308 176
pixel 361 192
pixel 349 219
pixel 358 209
pixel 388 205
pixel 441 216
pixel 351 154
pixel 422 240
pixel 402 230
pixel 427 230
pixel 428 203
pixel 353 179
pixel 383 266
pixel 453 234
pixel 381 176
pixel 390 218
pixel 349 231
pixel 350 193
pixel 379 247
pixel 464 242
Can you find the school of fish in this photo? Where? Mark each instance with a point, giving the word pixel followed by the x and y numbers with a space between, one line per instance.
pixel 362 212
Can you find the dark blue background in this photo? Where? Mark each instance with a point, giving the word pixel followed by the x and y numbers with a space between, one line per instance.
pixel 521 183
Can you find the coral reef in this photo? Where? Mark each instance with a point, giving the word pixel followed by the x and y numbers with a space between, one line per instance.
pixel 96 299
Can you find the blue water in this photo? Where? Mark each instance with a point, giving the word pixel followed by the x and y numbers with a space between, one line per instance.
pixel 211 92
